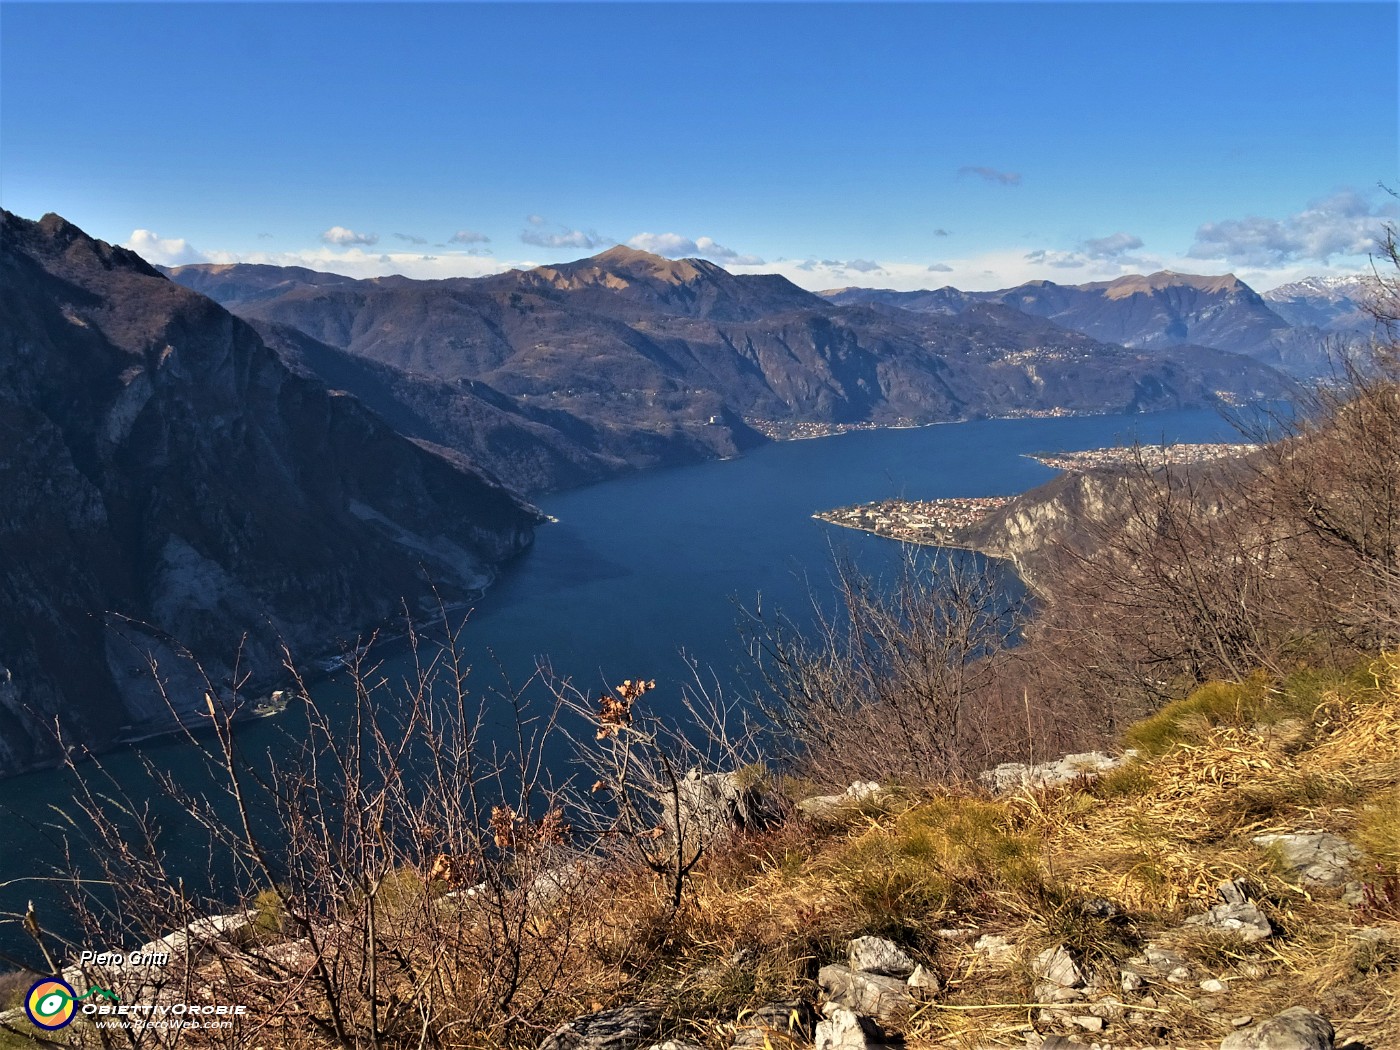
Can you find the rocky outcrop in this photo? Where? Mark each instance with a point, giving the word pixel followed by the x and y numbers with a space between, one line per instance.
pixel 172 489
pixel 1318 858
pixel 1297 1028
pixel 1236 915
pixel 826 807
pixel 625 1028
pixel 1013 776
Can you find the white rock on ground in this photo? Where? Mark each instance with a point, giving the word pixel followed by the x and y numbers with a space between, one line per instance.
pixel 820 807
pixel 1319 858
pixel 1296 1028
pixel 625 1028
pixel 1244 919
pixel 1056 966
pixel 1011 776
pixel 994 948
pixel 925 982
pixel 868 994
pixel 1236 915
pixel 841 1031
pixel 758 1028
pixel 877 955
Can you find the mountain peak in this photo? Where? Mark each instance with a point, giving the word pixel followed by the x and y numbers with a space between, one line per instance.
pixel 626 253
pixel 1137 284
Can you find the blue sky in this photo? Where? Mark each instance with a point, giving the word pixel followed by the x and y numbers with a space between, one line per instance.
pixel 907 145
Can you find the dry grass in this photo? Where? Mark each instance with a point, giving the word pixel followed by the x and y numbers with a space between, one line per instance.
pixel 1155 837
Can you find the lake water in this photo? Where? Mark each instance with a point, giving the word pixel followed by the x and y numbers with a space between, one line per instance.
pixel 638 569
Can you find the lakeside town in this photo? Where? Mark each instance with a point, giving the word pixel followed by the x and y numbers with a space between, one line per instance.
pixel 935 521
pixel 1153 457
pixel 940 522
pixel 783 430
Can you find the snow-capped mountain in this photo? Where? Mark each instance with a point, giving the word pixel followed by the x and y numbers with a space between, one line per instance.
pixel 1334 303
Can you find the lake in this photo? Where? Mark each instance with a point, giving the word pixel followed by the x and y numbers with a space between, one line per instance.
pixel 638 570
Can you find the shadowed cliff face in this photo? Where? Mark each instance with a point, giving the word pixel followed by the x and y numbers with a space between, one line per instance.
pixel 169 481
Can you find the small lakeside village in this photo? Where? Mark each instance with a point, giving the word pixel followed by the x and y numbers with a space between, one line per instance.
pixel 944 522
pixel 789 430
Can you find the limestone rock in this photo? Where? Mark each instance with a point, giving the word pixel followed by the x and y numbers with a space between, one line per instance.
pixel 823 807
pixel 877 955
pixel 1296 1028
pixel 625 1028
pixel 1163 960
pixel 1319 858
pixel 1236 891
pixel 710 807
pixel 925 982
pixel 1011 776
pixel 1236 914
pixel 766 1025
pixel 1246 920
pixel 868 994
pixel 1056 966
pixel 841 1030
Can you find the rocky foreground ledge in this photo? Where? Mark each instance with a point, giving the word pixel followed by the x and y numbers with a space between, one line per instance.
pixel 1226 884
pixel 1228 878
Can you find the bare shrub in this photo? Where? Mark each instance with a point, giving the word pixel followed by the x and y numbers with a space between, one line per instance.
pixel 887 686
pixel 408 871
pixel 668 790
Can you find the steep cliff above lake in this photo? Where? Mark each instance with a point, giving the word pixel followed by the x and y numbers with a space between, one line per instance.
pixel 170 483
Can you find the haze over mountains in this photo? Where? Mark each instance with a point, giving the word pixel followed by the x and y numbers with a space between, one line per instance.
pixel 290 465
pixel 1288 327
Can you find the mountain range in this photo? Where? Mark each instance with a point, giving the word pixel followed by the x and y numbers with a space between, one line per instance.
pixel 628 359
pixel 1288 328
pixel 222 456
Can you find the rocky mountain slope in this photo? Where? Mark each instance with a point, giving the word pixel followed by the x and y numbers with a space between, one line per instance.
pixel 170 483
pixel 1334 304
pixel 648 353
pixel 1151 312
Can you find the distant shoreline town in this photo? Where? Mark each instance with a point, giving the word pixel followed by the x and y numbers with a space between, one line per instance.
pixel 944 522
pixel 785 430
pixel 1151 456
pixel 934 522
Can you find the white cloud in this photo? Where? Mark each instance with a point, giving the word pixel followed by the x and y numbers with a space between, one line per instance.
pixel 356 262
pixel 346 237
pixel 468 237
pixel 1112 246
pixel 545 234
pixel 163 251
pixel 839 268
pixel 675 246
pixel 1002 178
pixel 1058 259
pixel 1344 224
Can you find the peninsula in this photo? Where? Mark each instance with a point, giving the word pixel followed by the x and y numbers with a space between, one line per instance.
pixel 936 522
